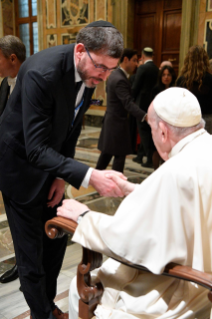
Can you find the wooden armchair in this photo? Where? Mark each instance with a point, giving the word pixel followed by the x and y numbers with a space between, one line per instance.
pixel 91 294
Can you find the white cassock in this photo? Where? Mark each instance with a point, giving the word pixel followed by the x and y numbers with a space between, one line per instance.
pixel 168 218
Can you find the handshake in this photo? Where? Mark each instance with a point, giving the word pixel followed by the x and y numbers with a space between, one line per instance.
pixel 107 183
pixel 111 183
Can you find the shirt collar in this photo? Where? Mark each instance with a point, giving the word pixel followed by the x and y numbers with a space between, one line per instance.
pixel 186 140
pixel 77 76
pixel 148 61
pixel 127 75
pixel 11 81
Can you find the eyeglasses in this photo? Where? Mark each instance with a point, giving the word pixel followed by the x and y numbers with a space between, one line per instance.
pixel 98 66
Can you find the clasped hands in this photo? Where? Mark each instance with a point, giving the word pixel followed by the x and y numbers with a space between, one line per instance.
pixel 107 183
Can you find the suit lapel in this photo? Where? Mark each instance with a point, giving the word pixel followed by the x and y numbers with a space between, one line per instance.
pixel 4 92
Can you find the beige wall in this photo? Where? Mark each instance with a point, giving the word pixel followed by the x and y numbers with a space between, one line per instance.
pixel 204 15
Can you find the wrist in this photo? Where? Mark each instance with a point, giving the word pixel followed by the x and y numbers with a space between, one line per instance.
pixel 80 217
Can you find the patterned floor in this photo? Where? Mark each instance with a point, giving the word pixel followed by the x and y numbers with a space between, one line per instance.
pixel 12 303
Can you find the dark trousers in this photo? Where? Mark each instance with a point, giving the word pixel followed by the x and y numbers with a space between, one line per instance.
pixel 133 133
pixel 39 258
pixel 147 145
pixel 104 160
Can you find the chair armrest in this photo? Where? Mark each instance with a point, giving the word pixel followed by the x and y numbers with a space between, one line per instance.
pixel 182 272
pixel 58 226
pixel 189 274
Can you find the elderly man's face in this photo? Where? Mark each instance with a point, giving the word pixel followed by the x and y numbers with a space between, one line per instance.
pixel 90 74
pixel 159 134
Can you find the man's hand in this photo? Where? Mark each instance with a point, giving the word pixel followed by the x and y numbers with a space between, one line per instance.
pixel 56 192
pixel 106 186
pixel 125 186
pixel 71 209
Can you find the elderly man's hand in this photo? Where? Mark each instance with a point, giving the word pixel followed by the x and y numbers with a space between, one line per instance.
pixel 71 209
pixel 125 186
pixel 106 186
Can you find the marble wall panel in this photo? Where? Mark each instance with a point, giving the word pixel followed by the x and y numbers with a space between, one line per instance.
pixel 7 8
pixel 51 14
pixel 74 12
pixel 205 26
pixel 201 28
pixel 51 40
pixel 203 4
pixel 101 9
pixel 208 37
pixel 209 5
pixel 67 38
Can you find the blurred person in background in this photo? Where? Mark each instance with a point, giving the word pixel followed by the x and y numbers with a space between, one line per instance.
pixel 145 80
pixel 12 55
pixel 115 135
pixel 196 77
pixel 163 63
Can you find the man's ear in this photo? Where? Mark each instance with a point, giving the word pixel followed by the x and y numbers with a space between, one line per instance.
pixel 79 50
pixel 13 58
pixel 163 132
pixel 126 59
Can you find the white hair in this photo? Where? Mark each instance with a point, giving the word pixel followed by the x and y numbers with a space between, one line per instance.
pixel 179 132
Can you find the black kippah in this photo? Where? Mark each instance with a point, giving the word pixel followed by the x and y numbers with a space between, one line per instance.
pixel 100 23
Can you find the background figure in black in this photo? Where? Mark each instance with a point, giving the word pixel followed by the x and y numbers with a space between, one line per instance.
pixel 166 79
pixel 132 119
pixel 12 55
pixel 196 77
pixel 115 135
pixel 145 80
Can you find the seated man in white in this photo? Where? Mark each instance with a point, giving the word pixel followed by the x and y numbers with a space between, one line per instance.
pixel 168 218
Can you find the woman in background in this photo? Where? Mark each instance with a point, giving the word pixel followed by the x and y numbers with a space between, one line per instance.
pixel 196 77
pixel 166 79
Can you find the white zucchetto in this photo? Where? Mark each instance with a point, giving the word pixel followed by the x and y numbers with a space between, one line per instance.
pixel 178 107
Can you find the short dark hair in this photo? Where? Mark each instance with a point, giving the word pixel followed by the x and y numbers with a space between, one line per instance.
pixel 13 45
pixel 147 54
pixel 107 40
pixel 129 53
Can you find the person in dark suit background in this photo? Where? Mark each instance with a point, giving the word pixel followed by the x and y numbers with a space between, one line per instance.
pixel 12 55
pixel 145 80
pixel 38 133
pixel 132 119
pixel 115 134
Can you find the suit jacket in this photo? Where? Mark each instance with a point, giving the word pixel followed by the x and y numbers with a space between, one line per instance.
pixel 145 80
pixel 115 134
pixel 37 140
pixel 4 93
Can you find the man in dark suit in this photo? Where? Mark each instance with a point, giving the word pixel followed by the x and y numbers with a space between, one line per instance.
pixel 38 133
pixel 115 135
pixel 12 55
pixel 145 80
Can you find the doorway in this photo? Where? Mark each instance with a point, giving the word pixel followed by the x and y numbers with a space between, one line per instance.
pixel 158 25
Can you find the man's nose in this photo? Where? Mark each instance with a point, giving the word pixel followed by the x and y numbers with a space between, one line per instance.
pixel 104 75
